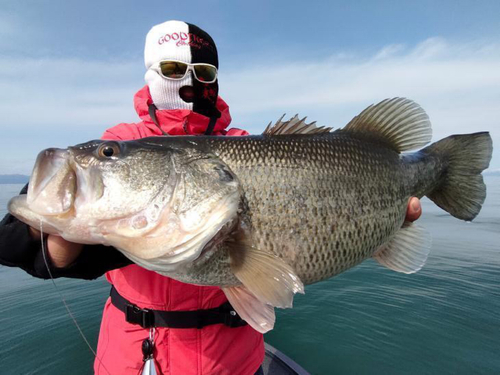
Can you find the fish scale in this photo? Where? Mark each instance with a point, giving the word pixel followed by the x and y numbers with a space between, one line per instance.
pixel 339 214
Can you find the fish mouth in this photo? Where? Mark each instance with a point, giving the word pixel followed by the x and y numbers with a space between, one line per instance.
pixel 52 185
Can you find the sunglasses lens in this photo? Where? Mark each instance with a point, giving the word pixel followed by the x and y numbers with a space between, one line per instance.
pixel 205 73
pixel 173 69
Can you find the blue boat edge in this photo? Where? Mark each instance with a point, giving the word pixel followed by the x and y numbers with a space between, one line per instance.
pixel 277 363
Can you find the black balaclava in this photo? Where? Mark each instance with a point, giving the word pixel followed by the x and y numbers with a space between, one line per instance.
pixel 177 40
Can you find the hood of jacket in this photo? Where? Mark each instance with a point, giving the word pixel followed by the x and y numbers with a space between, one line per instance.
pixel 180 121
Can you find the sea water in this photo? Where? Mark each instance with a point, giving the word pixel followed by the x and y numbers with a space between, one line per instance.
pixel 369 320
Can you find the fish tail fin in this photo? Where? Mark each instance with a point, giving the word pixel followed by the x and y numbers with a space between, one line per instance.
pixel 462 191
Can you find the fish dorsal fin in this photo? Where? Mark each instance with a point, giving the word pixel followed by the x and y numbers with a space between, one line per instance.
pixel 400 122
pixel 407 251
pixel 294 126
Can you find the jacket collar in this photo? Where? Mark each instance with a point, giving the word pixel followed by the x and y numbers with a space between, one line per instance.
pixel 179 121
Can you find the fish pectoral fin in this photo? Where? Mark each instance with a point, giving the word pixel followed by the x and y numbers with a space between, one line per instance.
pixel 259 315
pixel 265 275
pixel 407 251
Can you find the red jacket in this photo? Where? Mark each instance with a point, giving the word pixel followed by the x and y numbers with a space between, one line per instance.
pixel 215 349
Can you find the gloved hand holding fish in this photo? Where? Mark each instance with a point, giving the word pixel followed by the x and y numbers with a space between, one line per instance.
pixel 259 216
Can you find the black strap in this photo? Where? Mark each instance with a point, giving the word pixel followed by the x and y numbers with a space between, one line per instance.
pixel 211 125
pixel 214 114
pixel 152 113
pixel 146 318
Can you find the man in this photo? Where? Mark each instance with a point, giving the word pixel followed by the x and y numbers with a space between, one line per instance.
pixel 180 98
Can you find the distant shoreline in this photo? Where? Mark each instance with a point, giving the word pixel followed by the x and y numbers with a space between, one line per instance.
pixel 14 179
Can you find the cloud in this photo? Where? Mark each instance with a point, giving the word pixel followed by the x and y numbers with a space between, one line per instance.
pixel 61 101
pixel 458 84
pixel 66 92
pixel 56 102
pixel 432 69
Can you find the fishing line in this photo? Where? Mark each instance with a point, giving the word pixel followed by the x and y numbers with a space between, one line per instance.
pixel 65 303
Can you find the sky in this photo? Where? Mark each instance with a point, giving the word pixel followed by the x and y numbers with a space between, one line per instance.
pixel 69 69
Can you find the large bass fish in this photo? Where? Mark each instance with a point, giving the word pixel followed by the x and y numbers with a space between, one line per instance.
pixel 261 215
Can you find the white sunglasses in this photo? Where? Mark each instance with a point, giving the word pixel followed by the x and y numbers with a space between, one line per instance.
pixel 177 70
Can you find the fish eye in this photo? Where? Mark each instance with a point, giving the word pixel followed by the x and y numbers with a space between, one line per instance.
pixel 109 149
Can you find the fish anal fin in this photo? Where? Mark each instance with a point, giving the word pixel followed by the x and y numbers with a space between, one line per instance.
pixel 399 122
pixel 259 315
pixel 294 126
pixel 407 251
